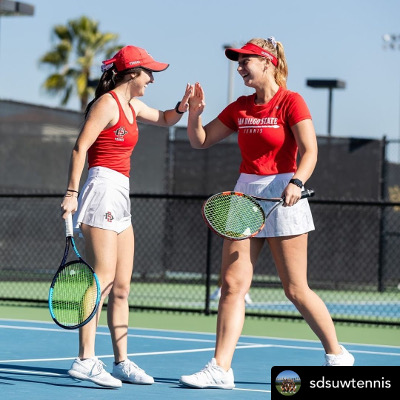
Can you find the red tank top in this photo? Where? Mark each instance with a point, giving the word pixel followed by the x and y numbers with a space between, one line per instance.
pixel 113 147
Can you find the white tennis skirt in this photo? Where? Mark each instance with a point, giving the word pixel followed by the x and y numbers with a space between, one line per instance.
pixel 104 201
pixel 284 221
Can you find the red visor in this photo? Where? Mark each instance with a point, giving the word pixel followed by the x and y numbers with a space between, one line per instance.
pixel 253 49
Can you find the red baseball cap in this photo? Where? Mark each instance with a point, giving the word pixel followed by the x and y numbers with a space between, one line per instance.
pixel 131 57
pixel 253 49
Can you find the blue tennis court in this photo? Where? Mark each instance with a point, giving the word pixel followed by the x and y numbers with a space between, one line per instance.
pixel 35 357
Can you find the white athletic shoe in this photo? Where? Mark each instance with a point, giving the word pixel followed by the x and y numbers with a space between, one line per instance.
pixel 128 371
pixel 211 376
pixel 247 299
pixel 342 359
pixel 92 369
pixel 216 294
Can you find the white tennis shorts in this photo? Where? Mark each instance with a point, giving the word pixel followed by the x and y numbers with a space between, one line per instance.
pixel 284 221
pixel 104 201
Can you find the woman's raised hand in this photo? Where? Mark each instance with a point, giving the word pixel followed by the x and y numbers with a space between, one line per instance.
pixel 184 106
pixel 197 100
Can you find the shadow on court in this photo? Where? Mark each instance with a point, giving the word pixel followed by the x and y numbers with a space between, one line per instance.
pixel 35 358
pixel 38 375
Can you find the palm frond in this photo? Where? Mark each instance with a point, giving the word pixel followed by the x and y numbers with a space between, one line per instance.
pixel 55 83
pixel 67 94
pixel 78 44
pixel 62 32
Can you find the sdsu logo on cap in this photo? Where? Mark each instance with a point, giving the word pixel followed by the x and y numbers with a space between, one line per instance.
pixel 132 55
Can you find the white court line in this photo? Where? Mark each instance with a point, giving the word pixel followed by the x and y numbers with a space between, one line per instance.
pixel 32 328
pixel 240 344
pixel 199 333
pixel 353 351
pixel 180 339
pixel 33 372
pixel 281 339
pixel 154 353
pixel 252 390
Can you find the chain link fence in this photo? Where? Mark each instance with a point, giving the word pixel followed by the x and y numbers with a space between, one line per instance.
pixel 353 257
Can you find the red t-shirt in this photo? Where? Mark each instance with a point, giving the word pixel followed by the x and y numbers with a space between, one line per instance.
pixel 113 147
pixel 266 141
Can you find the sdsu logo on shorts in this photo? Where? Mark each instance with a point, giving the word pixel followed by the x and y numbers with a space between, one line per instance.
pixel 108 216
pixel 120 133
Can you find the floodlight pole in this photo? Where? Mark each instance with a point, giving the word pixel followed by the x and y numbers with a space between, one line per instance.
pixel 392 42
pixel 329 84
pixel 10 8
pixel 14 8
pixel 329 110
pixel 231 74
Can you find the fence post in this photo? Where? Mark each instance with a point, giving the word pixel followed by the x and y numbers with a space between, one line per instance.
pixel 208 273
pixel 382 195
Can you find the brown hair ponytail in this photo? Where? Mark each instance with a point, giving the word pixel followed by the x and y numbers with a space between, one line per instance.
pixel 108 81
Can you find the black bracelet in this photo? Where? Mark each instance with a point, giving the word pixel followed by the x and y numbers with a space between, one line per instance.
pixel 297 182
pixel 71 190
pixel 177 108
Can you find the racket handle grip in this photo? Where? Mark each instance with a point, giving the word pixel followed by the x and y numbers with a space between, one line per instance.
pixel 307 193
pixel 69 227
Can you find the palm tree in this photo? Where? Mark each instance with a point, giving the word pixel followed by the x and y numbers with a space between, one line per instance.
pixel 80 38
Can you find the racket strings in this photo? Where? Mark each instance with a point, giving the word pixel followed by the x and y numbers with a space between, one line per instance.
pixel 233 215
pixel 74 296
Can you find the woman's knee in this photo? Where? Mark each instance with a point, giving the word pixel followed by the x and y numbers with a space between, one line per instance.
pixel 106 288
pixel 235 286
pixel 120 292
pixel 296 294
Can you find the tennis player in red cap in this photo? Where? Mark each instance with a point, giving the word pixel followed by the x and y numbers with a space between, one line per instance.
pixel 102 212
pixel 274 125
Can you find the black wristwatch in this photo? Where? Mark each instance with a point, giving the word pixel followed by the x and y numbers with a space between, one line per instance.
pixel 177 108
pixel 297 182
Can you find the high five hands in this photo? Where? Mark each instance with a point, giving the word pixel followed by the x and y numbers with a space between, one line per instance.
pixel 197 100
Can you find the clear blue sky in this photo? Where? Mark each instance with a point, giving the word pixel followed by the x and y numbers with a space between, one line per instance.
pixel 322 39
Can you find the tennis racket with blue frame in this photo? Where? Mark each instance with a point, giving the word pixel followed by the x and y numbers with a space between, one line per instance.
pixel 238 216
pixel 74 294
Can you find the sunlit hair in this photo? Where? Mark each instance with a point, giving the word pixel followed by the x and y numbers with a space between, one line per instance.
pixel 109 81
pixel 281 70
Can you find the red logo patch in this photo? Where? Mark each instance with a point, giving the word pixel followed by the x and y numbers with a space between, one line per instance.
pixel 108 216
pixel 120 133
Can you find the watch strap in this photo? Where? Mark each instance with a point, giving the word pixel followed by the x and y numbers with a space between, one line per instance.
pixel 296 182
